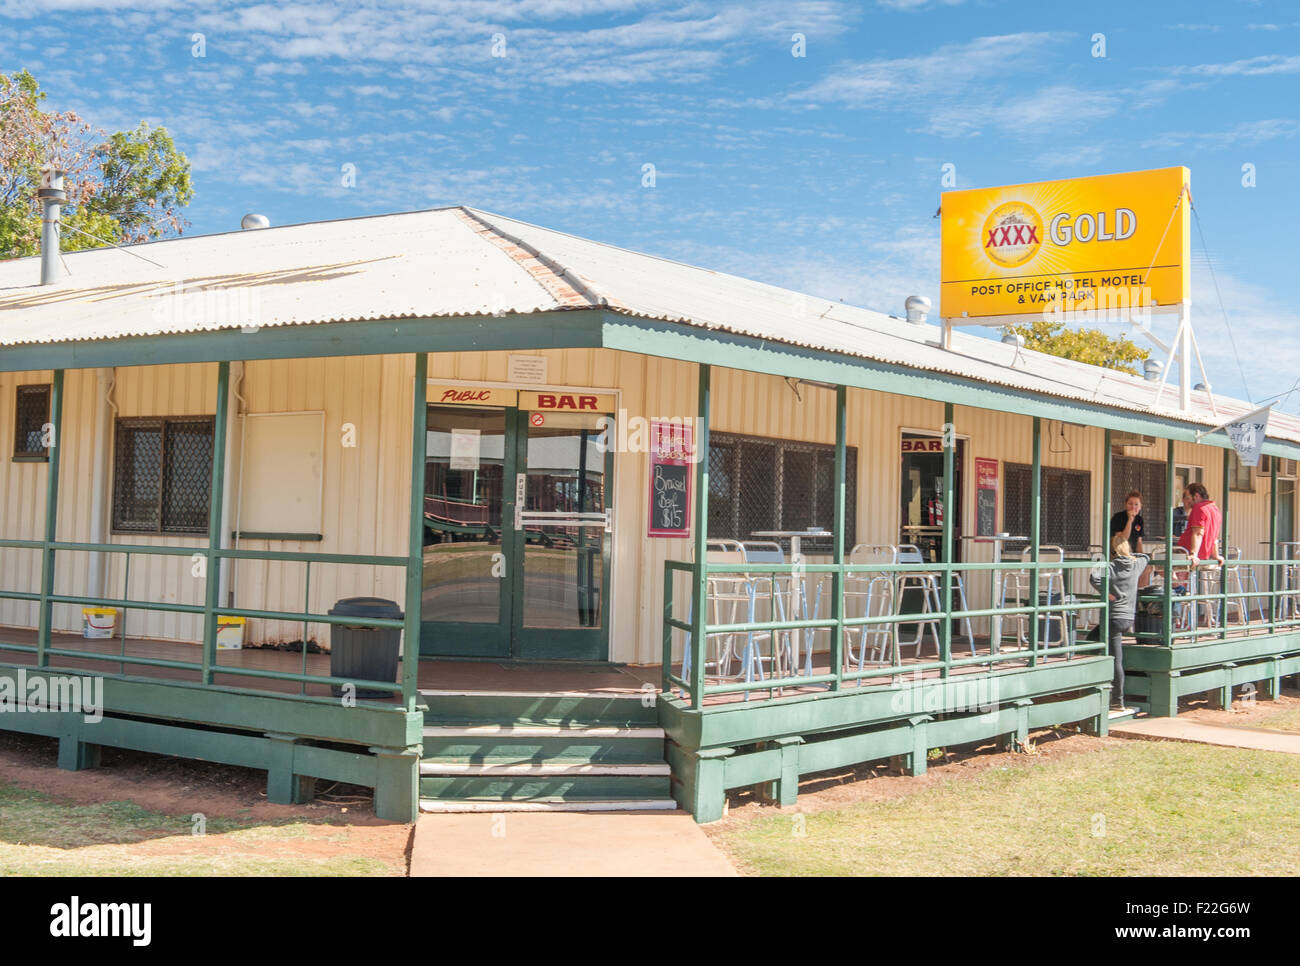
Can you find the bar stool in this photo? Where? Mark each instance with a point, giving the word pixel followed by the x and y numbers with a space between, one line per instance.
pixel 875 593
pixel 782 594
pixel 1233 583
pixel 729 595
pixel 929 583
pixel 1018 581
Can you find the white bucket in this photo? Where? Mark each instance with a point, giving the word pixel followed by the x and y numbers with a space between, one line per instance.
pixel 98 622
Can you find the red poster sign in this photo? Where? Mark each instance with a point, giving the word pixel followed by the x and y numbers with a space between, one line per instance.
pixel 671 469
pixel 986 497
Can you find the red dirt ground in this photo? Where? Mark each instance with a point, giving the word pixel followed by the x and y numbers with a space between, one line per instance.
pixel 172 786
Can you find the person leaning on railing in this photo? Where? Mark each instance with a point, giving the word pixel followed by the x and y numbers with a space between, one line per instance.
pixel 1204 521
pixel 1125 570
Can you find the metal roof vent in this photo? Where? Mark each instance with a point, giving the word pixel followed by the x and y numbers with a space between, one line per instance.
pixel 252 221
pixel 1151 370
pixel 1013 338
pixel 53 198
pixel 917 308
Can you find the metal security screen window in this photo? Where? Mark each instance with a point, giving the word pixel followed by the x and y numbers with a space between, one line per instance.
pixel 163 474
pixel 773 484
pixel 1067 520
pixel 31 414
pixel 1148 477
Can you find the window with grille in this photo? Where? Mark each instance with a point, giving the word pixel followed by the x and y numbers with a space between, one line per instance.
pixel 31 414
pixel 162 474
pixel 1148 477
pixel 774 484
pixel 1066 519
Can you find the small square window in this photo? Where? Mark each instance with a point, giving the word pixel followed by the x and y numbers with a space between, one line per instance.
pixel 1241 477
pixel 31 419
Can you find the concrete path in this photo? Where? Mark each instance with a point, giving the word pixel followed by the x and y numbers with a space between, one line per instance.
pixel 1180 729
pixel 564 843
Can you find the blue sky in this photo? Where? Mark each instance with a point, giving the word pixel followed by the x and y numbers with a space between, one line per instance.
pixel 820 172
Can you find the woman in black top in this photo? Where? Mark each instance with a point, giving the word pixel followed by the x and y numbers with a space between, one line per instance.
pixel 1127 523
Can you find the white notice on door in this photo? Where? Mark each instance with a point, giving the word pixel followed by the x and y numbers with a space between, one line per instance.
pixel 527 369
pixel 464 449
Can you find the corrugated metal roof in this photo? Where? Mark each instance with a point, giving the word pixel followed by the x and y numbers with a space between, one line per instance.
pixel 458 261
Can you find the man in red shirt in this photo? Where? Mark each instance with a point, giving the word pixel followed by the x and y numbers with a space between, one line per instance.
pixel 1204 522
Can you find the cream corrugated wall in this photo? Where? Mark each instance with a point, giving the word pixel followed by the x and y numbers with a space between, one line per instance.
pixel 365 492
pixel 366 488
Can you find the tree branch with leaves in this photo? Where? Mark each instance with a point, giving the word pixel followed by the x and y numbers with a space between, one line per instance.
pixel 123 188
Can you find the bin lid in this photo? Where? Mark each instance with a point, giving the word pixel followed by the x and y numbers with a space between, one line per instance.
pixel 366 607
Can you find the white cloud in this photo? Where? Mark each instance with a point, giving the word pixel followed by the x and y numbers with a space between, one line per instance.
pixel 1263 65
pixel 1247 132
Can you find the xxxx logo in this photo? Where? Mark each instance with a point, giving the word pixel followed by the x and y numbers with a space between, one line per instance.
pixel 1012 234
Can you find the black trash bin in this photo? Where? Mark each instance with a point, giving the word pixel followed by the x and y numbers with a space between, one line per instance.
pixel 1149 614
pixel 365 653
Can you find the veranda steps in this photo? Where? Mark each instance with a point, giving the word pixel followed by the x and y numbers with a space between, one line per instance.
pixel 547 751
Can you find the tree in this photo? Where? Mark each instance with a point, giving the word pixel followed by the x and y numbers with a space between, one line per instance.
pixel 1083 345
pixel 122 188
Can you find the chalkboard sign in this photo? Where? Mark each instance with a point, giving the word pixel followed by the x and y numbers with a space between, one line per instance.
pixel 986 497
pixel 671 470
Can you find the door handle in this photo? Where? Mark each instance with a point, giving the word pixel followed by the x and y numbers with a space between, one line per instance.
pixel 521 490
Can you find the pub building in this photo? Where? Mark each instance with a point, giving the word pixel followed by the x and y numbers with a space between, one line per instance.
pixel 486 516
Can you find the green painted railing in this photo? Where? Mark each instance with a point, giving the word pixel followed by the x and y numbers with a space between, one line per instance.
pixel 207 665
pixel 212 554
pixel 695 631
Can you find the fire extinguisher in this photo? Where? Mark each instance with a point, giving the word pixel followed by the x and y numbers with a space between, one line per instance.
pixel 938 512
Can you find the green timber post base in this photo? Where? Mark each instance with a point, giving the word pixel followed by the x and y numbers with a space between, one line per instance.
pixel 75 753
pixel 1099 724
pixel 1273 683
pixel 1162 702
pixel 700 780
pixel 1221 697
pixel 784 791
pixel 397 783
pixel 283 786
pixel 1018 739
pixel 916 761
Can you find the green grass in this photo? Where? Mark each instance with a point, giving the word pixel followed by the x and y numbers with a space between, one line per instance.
pixel 42 836
pixel 1281 721
pixel 1139 808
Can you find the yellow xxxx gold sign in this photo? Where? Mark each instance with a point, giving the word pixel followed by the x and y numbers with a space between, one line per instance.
pixel 1115 241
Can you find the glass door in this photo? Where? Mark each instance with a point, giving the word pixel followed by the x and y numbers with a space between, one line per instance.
pixel 563 528
pixel 465 606
pixel 922 496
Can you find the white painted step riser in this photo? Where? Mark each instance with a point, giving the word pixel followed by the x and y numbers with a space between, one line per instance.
pixel 436 806
pixel 537 731
pixel 528 769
